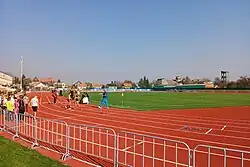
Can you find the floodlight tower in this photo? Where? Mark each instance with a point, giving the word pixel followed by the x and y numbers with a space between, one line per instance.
pixel 21 69
pixel 224 77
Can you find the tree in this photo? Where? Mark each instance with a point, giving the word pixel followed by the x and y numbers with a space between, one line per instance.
pixel 141 83
pixel 232 84
pixel 16 81
pixel 243 82
pixel 217 81
pixel 58 81
pixel 35 79
pixel 186 80
pixel 144 83
pixel 25 82
pixel 206 80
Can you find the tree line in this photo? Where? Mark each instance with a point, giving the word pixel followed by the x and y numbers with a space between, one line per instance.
pixel 144 82
pixel 242 83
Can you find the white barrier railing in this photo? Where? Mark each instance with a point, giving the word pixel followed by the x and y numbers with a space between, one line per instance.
pixel 210 156
pixel 93 140
pixel 141 150
pixel 124 149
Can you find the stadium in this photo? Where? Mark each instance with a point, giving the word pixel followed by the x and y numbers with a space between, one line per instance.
pixel 124 83
pixel 193 125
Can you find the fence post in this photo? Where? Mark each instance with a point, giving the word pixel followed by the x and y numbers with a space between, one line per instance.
pixel 35 144
pixel 16 126
pixel 115 150
pixel 4 117
pixel 67 153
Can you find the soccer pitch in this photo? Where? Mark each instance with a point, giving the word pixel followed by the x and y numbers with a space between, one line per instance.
pixel 165 100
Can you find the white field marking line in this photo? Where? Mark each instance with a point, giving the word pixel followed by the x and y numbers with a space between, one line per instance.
pixel 209 131
pixel 223 127
pixel 146 132
pixel 227 136
pixel 200 117
pixel 169 123
pixel 185 121
pixel 177 130
pixel 92 122
pixel 169 135
pixel 60 117
pixel 199 151
pixel 230 136
pixel 81 121
pixel 132 146
pixel 160 113
pixel 163 114
pixel 202 120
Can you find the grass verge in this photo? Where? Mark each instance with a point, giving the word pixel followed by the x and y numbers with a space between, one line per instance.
pixel 15 155
pixel 168 100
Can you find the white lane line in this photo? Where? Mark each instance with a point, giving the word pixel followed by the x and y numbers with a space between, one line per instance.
pixel 209 131
pixel 140 131
pixel 132 146
pixel 223 127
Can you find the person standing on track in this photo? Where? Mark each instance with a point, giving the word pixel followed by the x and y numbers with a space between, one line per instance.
pixel 54 95
pixel 26 102
pixel 70 98
pixel 16 104
pixel 104 99
pixel 77 97
pixel 10 109
pixel 85 98
pixel 21 107
pixel 34 104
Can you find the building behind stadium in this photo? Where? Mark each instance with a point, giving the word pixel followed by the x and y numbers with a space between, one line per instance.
pixel 6 79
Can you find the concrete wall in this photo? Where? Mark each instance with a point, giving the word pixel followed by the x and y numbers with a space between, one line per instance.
pixel 5 79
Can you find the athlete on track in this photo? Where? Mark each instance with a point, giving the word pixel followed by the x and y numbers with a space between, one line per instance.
pixel 104 99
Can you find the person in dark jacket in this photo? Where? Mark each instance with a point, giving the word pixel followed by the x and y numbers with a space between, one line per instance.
pixel 21 107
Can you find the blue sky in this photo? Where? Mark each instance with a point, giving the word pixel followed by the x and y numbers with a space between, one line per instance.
pixel 107 40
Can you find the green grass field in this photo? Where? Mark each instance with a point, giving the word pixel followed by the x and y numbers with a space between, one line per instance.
pixel 164 100
pixel 15 155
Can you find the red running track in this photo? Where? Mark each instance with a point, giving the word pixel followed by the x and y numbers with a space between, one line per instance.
pixel 221 127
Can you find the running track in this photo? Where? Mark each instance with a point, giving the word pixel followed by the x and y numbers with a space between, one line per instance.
pixel 221 127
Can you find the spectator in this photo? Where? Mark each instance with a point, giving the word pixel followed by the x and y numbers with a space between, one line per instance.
pixel 26 102
pixel 16 105
pixel 4 107
pixel 34 104
pixel 21 107
pixel 10 109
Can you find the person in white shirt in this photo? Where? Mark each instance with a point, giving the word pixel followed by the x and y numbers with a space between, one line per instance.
pixel 26 102
pixel 34 104
pixel 0 100
pixel 4 103
pixel 12 99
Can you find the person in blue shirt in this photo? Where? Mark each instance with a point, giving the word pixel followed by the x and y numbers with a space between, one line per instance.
pixel 104 99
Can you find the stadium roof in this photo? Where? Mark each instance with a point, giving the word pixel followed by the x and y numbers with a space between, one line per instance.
pixel 6 73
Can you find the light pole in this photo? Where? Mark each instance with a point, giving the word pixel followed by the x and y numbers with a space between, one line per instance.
pixel 21 82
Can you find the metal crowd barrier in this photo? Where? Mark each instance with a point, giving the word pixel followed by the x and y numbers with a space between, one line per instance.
pixel 2 120
pixel 122 149
pixel 143 150
pixel 96 141
pixel 210 156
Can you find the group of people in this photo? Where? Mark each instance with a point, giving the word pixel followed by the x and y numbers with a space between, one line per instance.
pixel 17 104
pixel 77 98
pixel 12 103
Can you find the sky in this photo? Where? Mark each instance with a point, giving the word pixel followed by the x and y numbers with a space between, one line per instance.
pixel 99 41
